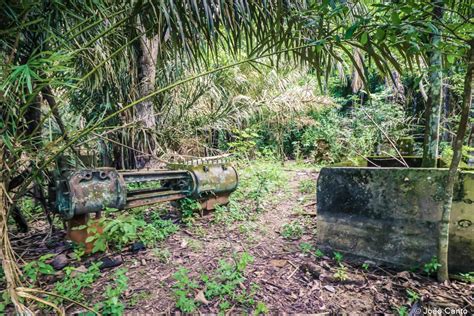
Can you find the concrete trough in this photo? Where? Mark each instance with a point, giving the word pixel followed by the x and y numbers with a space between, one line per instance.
pixel 390 215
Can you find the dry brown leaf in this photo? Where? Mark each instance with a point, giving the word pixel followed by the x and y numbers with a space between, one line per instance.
pixel 80 269
pixel 201 298
pixel 404 275
pixel 278 263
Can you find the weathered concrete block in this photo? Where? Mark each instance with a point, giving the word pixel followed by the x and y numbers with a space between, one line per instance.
pixel 391 215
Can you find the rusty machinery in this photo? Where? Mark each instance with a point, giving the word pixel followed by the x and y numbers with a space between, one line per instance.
pixel 75 194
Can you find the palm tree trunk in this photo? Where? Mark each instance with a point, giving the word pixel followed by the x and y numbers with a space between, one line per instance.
pixel 434 104
pixel 443 241
pixel 144 112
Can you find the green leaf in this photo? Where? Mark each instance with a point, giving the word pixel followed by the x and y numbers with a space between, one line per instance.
pixel 364 38
pixel 28 82
pixel 99 245
pixel 406 9
pixel 8 143
pixel 380 34
pixel 350 31
pixel 90 239
pixel 395 18
pixel 80 227
pixel 451 59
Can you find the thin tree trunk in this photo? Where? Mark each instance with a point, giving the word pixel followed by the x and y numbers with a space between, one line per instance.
pixel 33 118
pixel 434 104
pixel 446 109
pixel 48 95
pixel 443 242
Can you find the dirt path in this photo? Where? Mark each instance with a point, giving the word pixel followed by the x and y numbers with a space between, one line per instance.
pixel 200 248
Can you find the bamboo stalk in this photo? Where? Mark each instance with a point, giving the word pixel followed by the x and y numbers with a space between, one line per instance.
pixel 9 265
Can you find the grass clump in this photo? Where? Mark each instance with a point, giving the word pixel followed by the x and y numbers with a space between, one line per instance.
pixel 307 186
pixel 306 248
pixel 292 231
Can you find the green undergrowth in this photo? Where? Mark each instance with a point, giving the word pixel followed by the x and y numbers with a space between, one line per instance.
pixel 307 186
pixel 125 229
pixel 190 210
pixel 258 181
pixel 74 284
pixel 224 286
pixel 292 231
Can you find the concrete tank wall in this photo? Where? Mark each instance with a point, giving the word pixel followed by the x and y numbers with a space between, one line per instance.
pixel 391 215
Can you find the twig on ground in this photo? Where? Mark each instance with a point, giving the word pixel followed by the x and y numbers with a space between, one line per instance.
pixel 293 273
pixel 304 214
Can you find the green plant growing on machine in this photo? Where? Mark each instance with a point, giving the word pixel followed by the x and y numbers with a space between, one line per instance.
pixel 126 229
pixel 231 213
pixel 189 209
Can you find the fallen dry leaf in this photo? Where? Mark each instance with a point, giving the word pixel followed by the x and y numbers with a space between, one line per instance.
pixel 80 269
pixel 278 263
pixel 404 275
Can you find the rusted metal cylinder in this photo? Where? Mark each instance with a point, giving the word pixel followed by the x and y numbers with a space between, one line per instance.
pixel 213 180
pixel 87 191
pixel 79 192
